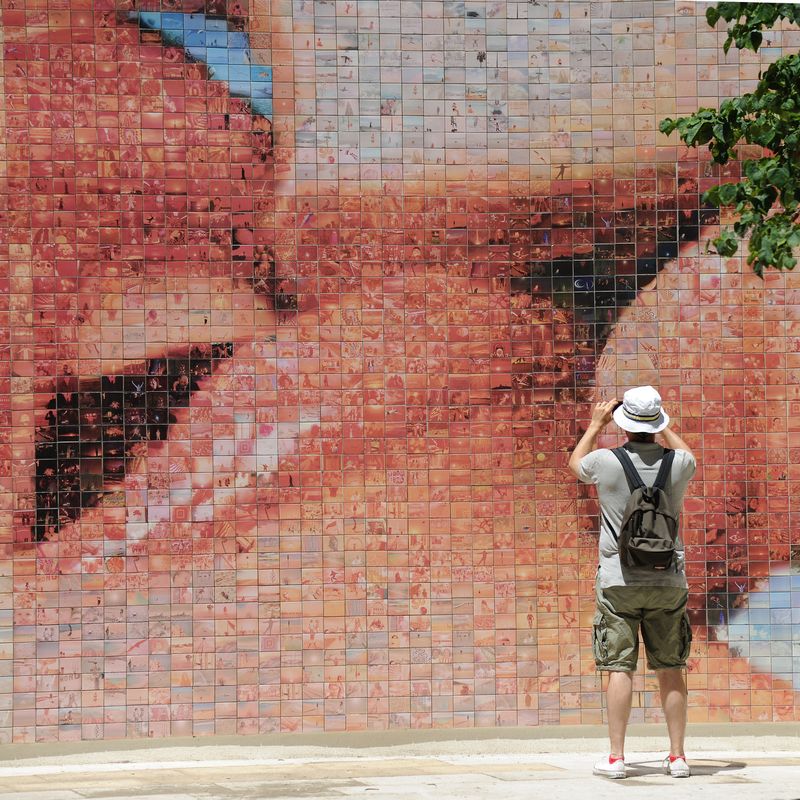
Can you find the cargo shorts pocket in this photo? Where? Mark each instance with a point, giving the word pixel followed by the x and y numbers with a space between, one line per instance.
pixel 600 640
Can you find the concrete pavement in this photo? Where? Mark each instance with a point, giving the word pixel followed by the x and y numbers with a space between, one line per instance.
pixel 758 763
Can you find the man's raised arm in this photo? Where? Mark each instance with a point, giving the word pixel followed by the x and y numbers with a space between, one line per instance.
pixel 674 442
pixel 601 416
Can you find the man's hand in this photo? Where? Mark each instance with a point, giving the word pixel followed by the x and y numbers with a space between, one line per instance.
pixel 601 416
pixel 603 413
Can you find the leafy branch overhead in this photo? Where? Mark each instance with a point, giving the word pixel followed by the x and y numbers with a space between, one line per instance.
pixel 767 198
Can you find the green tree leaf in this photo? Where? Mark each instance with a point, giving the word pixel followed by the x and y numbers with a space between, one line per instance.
pixel 727 194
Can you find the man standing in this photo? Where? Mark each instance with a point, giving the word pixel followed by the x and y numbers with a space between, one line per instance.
pixel 630 597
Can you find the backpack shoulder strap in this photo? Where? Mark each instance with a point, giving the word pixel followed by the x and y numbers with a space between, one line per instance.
pixel 610 527
pixel 634 479
pixel 664 470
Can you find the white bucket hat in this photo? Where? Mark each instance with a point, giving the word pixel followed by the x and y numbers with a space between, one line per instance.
pixel 641 411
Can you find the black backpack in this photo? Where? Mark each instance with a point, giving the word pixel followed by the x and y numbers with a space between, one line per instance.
pixel 649 523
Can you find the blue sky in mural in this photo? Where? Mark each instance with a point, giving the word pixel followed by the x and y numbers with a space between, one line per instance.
pixel 767 632
pixel 225 52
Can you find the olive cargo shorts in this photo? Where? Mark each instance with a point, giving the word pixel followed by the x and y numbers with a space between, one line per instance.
pixel 661 612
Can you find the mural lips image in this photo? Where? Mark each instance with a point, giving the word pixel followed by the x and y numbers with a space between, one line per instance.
pixel 305 306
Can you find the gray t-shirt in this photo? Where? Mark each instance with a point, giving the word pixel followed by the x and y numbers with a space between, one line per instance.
pixel 602 468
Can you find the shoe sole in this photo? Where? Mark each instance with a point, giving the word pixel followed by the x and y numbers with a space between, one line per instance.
pixel 609 775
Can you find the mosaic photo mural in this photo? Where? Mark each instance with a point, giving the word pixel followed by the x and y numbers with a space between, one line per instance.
pixel 304 306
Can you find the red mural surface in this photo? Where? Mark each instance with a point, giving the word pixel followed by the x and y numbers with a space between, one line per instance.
pixel 305 306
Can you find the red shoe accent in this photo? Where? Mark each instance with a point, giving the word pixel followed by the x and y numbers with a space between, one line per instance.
pixel 614 759
pixel 675 758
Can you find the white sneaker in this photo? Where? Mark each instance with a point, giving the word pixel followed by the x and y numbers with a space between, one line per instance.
pixel 677 767
pixel 610 767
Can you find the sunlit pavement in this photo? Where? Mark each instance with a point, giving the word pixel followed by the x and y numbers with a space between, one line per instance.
pixel 753 766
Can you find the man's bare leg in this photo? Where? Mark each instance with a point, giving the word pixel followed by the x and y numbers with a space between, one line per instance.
pixel 618 699
pixel 674 702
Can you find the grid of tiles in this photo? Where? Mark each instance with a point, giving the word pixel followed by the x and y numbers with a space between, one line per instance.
pixel 305 305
